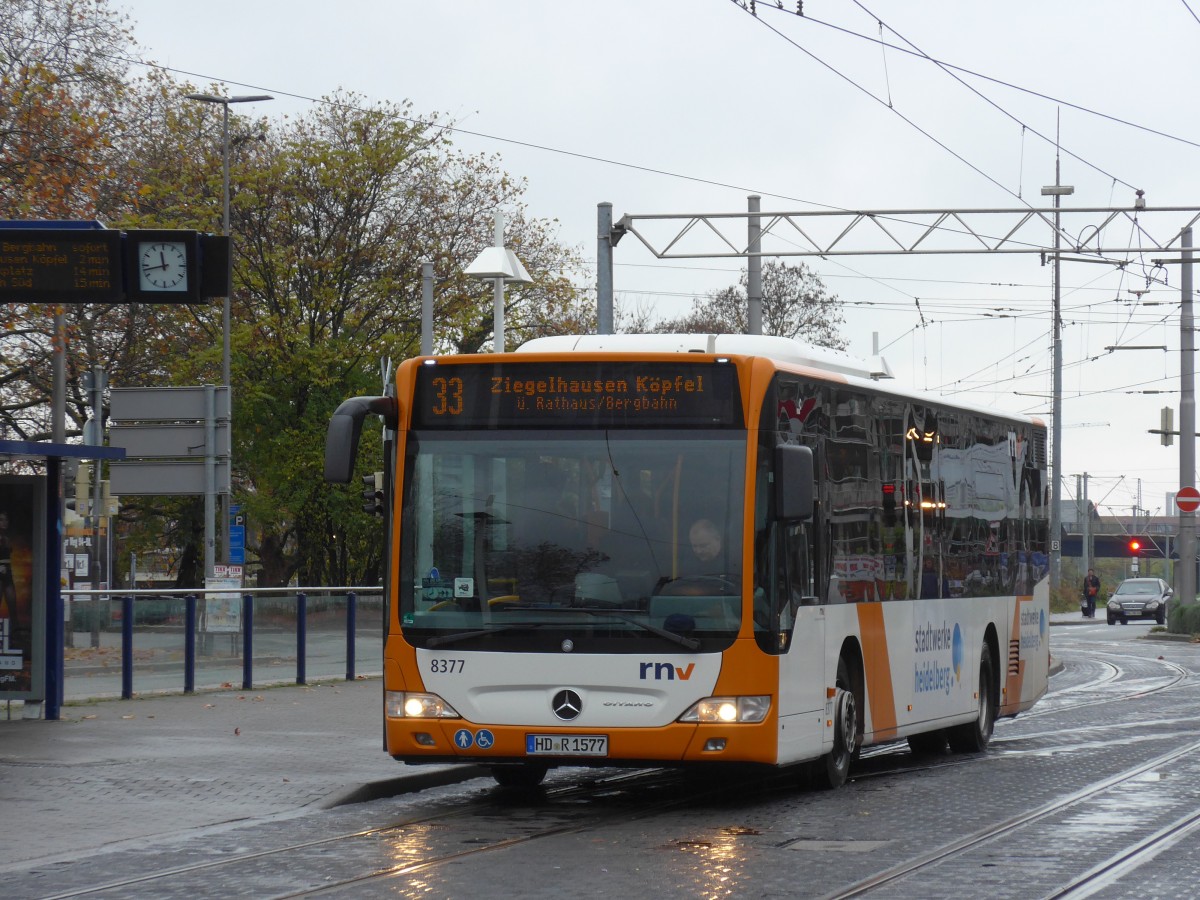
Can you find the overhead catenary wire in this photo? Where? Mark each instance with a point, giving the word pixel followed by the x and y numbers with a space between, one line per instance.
pixel 934 306
pixel 451 128
pixel 989 100
pixel 924 322
pixel 1117 120
pixel 904 118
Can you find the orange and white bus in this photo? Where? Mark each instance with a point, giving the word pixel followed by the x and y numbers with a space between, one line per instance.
pixel 687 549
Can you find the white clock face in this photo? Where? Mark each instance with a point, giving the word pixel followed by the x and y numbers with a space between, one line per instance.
pixel 162 266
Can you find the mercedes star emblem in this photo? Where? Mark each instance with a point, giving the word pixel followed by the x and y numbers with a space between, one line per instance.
pixel 567 705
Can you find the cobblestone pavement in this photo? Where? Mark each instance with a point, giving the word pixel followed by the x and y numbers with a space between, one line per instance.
pixel 113 771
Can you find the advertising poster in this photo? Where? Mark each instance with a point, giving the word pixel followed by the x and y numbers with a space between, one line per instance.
pixel 223 611
pixel 21 576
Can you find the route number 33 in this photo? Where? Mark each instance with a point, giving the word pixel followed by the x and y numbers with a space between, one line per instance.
pixel 447 396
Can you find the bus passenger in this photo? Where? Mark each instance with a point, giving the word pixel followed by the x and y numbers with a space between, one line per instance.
pixel 705 538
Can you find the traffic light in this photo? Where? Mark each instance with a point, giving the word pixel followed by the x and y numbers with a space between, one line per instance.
pixel 1134 546
pixel 373 493
pixel 109 505
pixel 889 505
pixel 79 502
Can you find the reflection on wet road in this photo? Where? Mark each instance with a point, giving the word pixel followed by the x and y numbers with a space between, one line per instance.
pixel 1095 791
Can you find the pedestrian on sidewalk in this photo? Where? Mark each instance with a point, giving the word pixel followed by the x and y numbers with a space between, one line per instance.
pixel 1091 590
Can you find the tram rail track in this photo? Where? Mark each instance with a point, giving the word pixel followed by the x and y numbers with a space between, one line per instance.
pixel 1117 866
pixel 979 838
pixel 1179 675
pixel 294 869
pixel 291 856
pixel 641 779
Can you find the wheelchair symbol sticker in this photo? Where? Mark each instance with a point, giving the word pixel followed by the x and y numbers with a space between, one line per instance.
pixel 484 739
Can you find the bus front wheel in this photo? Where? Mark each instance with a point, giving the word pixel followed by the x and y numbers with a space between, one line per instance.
pixel 832 769
pixel 520 775
pixel 973 737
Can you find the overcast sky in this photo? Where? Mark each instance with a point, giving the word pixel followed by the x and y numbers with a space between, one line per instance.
pixel 689 106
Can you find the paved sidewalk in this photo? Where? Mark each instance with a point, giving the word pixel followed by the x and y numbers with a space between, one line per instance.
pixel 116 771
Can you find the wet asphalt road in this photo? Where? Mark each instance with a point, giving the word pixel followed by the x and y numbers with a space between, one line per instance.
pixel 1100 781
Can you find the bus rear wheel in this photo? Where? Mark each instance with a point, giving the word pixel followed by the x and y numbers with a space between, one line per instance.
pixel 973 737
pixel 832 769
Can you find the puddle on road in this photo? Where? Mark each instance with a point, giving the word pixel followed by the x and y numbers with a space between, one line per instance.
pixel 836 846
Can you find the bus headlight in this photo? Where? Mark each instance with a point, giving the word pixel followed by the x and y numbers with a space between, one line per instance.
pixel 728 709
pixel 405 705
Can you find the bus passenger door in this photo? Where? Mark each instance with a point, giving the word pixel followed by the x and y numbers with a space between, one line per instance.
pixel 802 631
pixel 802 688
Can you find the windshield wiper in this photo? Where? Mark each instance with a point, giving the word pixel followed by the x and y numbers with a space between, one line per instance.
pixel 681 640
pixel 443 639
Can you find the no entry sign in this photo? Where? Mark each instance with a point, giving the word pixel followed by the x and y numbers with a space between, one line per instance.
pixel 1188 499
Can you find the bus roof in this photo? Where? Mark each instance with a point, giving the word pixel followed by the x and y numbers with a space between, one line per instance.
pixel 781 349
pixel 778 348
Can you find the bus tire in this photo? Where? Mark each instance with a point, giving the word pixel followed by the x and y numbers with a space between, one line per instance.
pixel 520 775
pixel 832 769
pixel 973 737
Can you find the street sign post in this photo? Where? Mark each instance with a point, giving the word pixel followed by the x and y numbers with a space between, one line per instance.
pixel 177 440
pixel 163 433
pixel 237 535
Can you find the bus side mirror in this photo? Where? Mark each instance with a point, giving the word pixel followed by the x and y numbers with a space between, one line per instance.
pixel 793 482
pixel 345 428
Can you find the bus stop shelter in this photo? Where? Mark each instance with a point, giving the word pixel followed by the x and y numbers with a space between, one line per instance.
pixel 46 539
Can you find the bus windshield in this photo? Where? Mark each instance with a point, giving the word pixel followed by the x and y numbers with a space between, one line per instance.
pixel 609 539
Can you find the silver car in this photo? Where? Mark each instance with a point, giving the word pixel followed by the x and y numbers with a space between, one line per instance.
pixel 1139 598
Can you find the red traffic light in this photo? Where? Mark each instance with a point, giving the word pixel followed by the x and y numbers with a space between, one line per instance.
pixel 1135 546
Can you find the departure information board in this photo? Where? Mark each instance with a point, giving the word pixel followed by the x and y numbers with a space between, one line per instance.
pixel 47 265
pixel 578 395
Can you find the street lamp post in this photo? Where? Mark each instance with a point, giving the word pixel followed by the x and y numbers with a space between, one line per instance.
pixel 226 376
pixel 1058 191
pixel 1187 423
pixel 499 266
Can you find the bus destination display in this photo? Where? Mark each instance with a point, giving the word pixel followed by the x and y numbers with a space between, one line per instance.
pixel 578 395
pixel 45 265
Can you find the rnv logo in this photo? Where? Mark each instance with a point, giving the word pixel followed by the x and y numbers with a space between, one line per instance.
pixel 662 671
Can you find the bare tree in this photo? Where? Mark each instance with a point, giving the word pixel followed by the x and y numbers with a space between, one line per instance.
pixel 795 304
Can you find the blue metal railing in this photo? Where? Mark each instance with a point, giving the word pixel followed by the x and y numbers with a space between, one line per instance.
pixel 189 644
pixel 161 625
pixel 126 647
pixel 301 635
pixel 248 643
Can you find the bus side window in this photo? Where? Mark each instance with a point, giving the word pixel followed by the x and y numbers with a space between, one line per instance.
pixel 771 590
pixel 802 589
pixel 789 584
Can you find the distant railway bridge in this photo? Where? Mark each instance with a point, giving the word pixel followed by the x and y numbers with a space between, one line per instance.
pixel 1124 537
